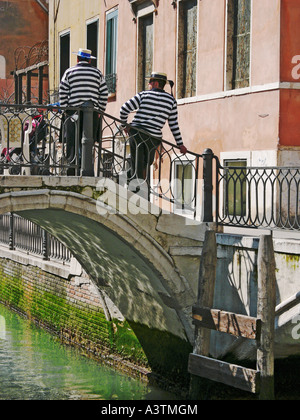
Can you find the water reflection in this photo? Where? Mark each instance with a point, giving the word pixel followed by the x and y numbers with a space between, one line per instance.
pixel 34 366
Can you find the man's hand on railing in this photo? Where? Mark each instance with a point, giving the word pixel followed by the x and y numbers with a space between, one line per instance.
pixel 124 128
pixel 183 150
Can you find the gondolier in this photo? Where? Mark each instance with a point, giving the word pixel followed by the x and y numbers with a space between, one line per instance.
pixel 154 107
pixel 82 85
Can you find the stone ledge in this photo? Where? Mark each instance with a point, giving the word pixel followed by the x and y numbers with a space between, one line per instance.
pixel 285 246
pixel 53 267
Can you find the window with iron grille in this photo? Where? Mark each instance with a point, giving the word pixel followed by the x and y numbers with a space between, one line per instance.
pixel 107 161
pixel 187 48
pixel 238 44
pixel 183 187
pixel 111 50
pixel 235 187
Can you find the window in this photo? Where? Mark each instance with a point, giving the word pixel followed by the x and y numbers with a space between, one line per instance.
pixel 184 181
pixel 235 188
pixel 111 50
pixel 187 48
pixel 145 50
pixel 238 44
pixel 92 39
pixel 2 67
pixel 64 53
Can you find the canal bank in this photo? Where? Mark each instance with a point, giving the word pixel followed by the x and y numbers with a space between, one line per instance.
pixel 62 299
pixel 35 365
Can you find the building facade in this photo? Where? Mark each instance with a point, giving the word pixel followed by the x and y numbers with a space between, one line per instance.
pixel 23 39
pixel 235 64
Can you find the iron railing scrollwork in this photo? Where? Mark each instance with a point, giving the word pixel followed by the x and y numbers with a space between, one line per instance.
pixel 36 141
pixel 258 197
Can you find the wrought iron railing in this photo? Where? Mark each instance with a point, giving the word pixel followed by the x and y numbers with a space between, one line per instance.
pixel 52 141
pixel 258 197
pixel 21 234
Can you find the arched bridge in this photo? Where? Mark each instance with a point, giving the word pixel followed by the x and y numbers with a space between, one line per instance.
pixel 146 260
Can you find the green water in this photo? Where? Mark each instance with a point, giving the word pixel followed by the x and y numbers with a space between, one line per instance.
pixel 36 366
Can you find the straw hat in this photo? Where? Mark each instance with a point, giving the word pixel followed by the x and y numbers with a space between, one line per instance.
pixel 84 53
pixel 158 76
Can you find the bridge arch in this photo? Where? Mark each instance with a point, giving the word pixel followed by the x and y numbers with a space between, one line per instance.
pixel 119 254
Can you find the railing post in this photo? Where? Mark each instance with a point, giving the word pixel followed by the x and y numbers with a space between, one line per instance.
pixel 11 232
pixel 207 186
pixel 99 147
pixel 87 167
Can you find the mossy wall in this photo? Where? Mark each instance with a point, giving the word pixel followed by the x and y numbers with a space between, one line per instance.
pixel 70 310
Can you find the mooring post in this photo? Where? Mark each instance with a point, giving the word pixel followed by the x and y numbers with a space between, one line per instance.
pixel 266 313
pixel 206 288
pixel 87 165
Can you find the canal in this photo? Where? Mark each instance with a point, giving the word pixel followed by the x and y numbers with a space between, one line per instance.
pixel 34 365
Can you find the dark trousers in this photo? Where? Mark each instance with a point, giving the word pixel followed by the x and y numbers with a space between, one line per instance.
pixel 73 149
pixel 142 150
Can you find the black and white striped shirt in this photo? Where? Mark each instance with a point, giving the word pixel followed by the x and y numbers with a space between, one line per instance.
pixel 154 108
pixel 83 83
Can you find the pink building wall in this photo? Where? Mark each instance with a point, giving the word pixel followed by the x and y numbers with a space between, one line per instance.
pixel 223 121
pixel 262 117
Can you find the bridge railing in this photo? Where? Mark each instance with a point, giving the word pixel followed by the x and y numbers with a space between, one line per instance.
pixel 48 140
pixel 257 197
pixel 19 233
pixel 79 141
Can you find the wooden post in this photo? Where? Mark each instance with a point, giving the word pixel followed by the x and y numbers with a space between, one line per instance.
pixel 266 313
pixel 207 279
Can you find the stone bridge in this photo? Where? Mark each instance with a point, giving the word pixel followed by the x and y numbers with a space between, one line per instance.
pixel 145 260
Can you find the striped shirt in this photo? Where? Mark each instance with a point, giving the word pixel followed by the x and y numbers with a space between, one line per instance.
pixel 83 83
pixel 154 107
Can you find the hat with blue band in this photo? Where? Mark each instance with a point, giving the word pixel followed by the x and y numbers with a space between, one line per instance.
pixel 84 54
